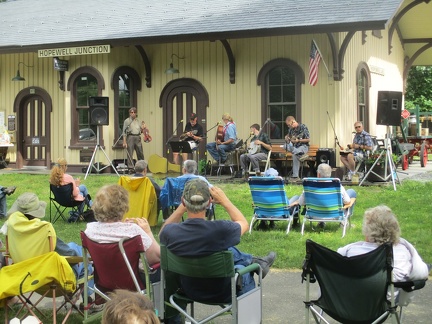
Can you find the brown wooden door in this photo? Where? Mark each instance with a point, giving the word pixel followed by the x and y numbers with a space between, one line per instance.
pixel 34 141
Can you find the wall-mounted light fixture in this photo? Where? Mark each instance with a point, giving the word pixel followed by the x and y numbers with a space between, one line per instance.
pixel 172 69
pixel 18 76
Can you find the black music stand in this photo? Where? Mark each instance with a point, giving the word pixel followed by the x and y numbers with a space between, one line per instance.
pixel 180 147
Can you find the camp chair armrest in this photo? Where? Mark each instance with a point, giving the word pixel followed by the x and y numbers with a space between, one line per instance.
pixel 412 285
pixel 74 259
pixel 250 268
pixel 350 204
pixel 295 203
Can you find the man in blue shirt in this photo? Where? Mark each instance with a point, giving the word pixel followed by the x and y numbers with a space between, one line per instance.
pixel 225 140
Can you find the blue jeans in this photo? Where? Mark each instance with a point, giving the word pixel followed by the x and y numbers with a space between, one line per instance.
pixel 2 204
pixel 219 153
pixel 352 194
pixel 73 249
pixel 242 260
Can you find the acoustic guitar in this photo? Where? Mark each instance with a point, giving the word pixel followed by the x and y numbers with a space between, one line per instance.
pixel 185 134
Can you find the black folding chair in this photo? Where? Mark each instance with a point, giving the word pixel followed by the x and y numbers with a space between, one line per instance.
pixel 353 289
pixel 61 197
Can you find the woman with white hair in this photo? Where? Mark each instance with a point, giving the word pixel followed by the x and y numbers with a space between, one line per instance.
pixel 381 226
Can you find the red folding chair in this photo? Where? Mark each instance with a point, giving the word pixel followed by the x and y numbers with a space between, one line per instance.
pixel 116 266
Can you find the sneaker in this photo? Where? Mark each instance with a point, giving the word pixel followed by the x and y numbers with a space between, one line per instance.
pixel 294 179
pixel 304 157
pixel 321 224
pixel 265 262
pixel 262 226
pixel 8 190
pixel 349 175
pixel 258 173
pixel 92 307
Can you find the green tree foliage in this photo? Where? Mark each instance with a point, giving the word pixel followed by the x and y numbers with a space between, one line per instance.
pixel 419 88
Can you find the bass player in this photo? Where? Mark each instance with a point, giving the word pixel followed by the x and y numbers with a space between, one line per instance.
pixel 193 132
pixel 258 149
pixel 297 142
pixel 225 140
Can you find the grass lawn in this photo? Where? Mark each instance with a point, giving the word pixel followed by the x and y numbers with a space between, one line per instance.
pixel 409 202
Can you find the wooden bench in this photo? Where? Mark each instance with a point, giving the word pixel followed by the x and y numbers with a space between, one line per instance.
pixel 280 154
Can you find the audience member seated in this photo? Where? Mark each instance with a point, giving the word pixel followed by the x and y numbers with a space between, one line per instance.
pixel 380 225
pixel 141 171
pixel 25 218
pixel 129 307
pixel 4 191
pixel 197 237
pixel 59 177
pixel 324 171
pixel 110 204
pixel 189 170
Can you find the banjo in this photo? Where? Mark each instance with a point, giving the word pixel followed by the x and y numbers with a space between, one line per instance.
pixel 256 148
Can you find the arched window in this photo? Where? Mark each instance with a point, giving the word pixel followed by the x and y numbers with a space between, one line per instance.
pixel 83 83
pixel 125 83
pixel 280 82
pixel 363 85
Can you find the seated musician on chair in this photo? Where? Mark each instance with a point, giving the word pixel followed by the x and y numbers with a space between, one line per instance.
pixel 297 142
pixel 193 132
pixel 356 152
pixel 225 141
pixel 259 147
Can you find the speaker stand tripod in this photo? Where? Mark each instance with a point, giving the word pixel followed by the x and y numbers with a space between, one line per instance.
pixel 389 166
pixel 97 168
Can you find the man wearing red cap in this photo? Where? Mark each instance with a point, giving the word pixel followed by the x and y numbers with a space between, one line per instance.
pixel 193 133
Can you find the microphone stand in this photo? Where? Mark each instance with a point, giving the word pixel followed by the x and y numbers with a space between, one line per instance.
pixel 334 131
pixel 169 139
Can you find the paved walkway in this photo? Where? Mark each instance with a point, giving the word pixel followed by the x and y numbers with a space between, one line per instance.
pixel 283 296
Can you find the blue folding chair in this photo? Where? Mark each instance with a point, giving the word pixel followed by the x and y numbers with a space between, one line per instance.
pixel 323 200
pixel 270 201
pixel 171 194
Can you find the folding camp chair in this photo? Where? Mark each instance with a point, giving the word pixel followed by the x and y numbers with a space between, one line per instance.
pixel 353 289
pixel 171 194
pixel 142 198
pixel 270 201
pixel 323 200
pixel 49 274
pixel 116 266
pixel 61 197
pixel 266 162
pixel 38 269
pixel 246 308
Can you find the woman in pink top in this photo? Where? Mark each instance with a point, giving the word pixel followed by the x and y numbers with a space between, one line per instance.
pixel 59 177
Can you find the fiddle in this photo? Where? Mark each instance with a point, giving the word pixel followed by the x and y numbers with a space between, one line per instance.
pixel 146 133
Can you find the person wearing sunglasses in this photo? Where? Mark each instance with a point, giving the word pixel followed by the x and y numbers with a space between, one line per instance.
pixel 357 150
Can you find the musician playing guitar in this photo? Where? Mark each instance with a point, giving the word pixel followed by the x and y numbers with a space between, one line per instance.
pixel 356 152
pixel 297 142
pixel 225 140
pixel 193 132
pixel 255 155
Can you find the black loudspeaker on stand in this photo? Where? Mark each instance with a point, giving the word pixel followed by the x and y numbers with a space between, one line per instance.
pixel 389 108
pixel 98 111
pixel 326 155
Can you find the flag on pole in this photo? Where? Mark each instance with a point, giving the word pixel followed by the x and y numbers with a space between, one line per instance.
pixel 314 61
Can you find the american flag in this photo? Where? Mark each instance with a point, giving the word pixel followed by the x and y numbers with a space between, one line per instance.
pixel 314 61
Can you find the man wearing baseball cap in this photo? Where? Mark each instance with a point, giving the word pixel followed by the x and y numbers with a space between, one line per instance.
pixel 193 132
pixel 197 237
